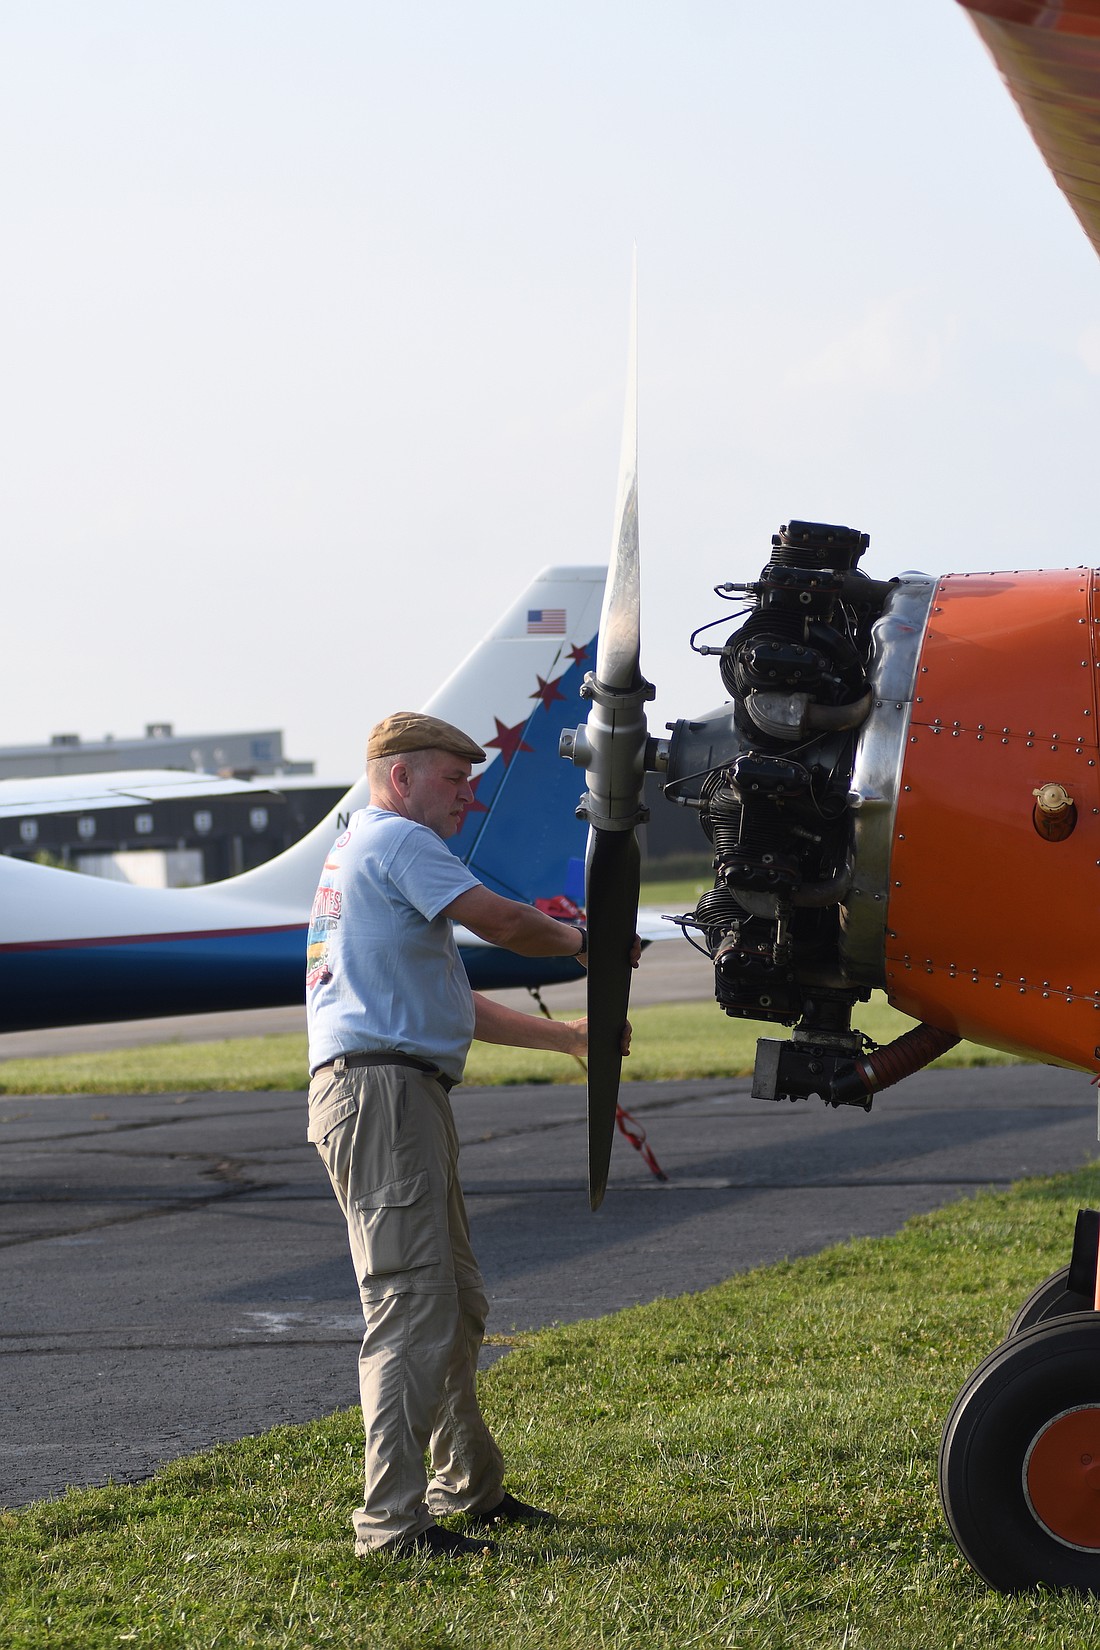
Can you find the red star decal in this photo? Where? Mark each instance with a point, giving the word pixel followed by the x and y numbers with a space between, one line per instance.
pixel 475 807
pixel 509 740
pixel 578 655
pixel 547 692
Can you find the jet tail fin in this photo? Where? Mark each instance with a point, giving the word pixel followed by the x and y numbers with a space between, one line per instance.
pixel 514 693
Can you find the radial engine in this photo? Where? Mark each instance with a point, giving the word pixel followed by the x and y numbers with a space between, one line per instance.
pixel 794 780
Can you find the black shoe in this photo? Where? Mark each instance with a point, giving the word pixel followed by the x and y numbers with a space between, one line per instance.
pixel 435 1539
pixel 510 1510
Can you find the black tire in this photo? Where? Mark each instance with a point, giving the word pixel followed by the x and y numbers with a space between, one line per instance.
pixel 1051 1299
pixel 1018 1444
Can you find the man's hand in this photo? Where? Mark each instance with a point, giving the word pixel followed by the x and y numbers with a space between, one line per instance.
pixel 579 1029
pixel 635 952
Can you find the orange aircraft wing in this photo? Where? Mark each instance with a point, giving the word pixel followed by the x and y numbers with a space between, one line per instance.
pixel 1048 53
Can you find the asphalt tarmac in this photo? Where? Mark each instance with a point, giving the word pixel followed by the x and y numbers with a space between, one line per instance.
pixel 175 1270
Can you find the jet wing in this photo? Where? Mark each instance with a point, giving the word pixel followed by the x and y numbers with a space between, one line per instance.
pixel 87 792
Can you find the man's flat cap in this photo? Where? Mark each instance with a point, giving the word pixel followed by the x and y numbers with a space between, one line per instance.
pixel 411 730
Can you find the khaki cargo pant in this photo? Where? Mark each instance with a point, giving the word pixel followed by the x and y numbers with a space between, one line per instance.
pixel 387 1137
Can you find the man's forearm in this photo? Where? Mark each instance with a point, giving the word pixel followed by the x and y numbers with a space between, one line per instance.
pixel 515 926
pixel 493 1023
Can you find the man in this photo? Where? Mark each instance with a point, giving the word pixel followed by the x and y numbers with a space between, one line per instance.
pixel 391 1017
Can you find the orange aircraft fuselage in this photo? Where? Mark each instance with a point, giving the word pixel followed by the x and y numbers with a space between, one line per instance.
pixel 995 858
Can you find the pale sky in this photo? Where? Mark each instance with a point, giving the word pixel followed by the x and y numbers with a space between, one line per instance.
pixel 313 333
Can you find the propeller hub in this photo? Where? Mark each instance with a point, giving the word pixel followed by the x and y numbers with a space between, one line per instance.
pixel 611 746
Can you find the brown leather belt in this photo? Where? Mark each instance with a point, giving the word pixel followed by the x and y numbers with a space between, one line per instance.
pixel 390 1057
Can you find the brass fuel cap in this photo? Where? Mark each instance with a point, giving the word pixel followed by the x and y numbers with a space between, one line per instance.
pixel 1055 813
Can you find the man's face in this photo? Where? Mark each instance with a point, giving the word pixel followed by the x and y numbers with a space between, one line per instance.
pixel 439 791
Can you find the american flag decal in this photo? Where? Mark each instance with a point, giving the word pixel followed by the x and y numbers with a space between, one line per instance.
pixel 546 621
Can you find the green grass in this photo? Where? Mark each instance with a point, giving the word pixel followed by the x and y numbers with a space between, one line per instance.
pixel 676 894
pixel 671 1040
pixel 753 1466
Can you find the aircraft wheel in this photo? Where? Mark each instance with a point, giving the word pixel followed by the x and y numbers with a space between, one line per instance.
pixel 1020 1460
pixel 1051 1299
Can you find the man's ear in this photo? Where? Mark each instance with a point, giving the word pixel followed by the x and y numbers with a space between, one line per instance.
pixel 399 778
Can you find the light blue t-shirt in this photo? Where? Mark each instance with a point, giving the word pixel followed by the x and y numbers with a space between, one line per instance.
pixel 383 969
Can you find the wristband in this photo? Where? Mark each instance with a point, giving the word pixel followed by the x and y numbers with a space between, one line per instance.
pixel 583 932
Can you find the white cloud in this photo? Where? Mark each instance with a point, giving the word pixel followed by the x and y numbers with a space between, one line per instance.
pixel 891 347
pixel 1088 347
